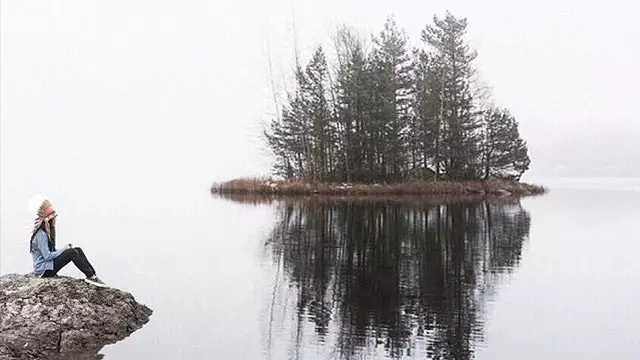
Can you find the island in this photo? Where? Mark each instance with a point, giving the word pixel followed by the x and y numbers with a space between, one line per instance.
pixel 386 118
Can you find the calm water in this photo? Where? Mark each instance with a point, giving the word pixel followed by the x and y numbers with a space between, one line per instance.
pixel 548 277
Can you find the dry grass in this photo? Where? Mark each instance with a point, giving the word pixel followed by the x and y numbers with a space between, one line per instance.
pixel 264 186
pixel 417 200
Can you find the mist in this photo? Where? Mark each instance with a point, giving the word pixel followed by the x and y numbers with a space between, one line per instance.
pixel 105 102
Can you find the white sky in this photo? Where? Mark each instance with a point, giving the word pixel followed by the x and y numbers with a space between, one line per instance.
pixel 124 112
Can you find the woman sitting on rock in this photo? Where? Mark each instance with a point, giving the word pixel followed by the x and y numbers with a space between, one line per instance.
pixel 47 261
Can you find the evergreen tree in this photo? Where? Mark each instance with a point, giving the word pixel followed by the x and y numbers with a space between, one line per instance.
pixel 453 58
pixel 391 68
pixel 426 126
pixel 504 152
pixel 303 140
pixel 321 138
pixel 352 108
pixel 391 116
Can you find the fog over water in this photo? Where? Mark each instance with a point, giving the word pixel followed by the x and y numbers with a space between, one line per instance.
pixel 124 113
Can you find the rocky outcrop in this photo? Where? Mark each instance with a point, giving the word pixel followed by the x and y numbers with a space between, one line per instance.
pixel 63 317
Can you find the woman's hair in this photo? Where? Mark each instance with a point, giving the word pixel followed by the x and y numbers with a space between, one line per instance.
pixel 51 235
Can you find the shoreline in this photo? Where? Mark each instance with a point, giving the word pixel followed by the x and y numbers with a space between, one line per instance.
pixel 417 200
pixel 475 188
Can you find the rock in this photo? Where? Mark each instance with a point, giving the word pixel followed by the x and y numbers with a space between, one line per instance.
pixel 63 317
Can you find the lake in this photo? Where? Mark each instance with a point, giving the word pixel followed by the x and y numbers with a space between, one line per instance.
pixel 554 276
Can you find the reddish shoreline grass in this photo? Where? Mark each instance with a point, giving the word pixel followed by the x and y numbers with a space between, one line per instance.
pixel 495 187
pixel 417 200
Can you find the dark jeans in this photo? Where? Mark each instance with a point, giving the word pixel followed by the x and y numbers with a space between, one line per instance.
pixel 79 259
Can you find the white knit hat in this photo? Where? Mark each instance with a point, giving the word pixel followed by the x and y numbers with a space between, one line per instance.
pixel 34 204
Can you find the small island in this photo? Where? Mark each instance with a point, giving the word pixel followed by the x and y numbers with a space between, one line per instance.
pixel 384 118
pixel 266 186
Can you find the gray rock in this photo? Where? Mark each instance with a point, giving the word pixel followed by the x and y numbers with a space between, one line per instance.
pixel 63 317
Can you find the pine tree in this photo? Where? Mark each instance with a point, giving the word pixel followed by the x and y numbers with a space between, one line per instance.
pixel 391 116
pixel 303 140
pixel 276 136
pixel 453 58
pixel 391 66
pixel 426 126
pixel 351 108
pixel 314 86
pixel 504 152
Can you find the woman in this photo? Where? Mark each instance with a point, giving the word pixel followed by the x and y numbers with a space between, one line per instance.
pixel 47 261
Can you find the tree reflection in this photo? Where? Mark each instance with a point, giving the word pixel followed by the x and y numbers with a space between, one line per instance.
pixel 406 278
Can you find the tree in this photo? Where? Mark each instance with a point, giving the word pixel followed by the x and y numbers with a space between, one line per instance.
pixel 321 140
pixel 390 115
pixel 352 107
pixel 453 61
pixel 391 67
pixel 426 125
pixel 303 139
pixel 504 152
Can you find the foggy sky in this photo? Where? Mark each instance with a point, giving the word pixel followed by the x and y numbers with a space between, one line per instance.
pixel 114 99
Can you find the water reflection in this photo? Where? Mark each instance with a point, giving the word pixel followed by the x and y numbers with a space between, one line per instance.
pixel 392 279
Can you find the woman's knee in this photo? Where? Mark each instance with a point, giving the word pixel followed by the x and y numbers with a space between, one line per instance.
pixel 71 253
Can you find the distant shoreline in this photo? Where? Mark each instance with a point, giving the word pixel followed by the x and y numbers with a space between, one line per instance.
pixel 476 188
